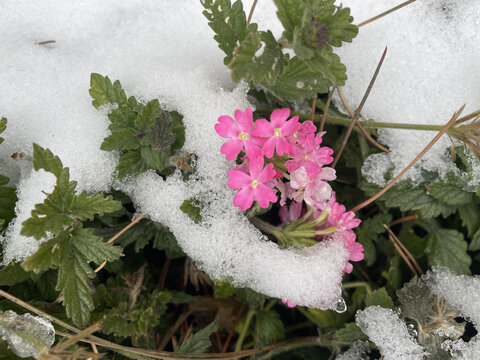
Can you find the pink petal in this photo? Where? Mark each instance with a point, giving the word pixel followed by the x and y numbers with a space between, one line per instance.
pixel 282 146
pixel 279 116
pixel 264 195
pixel 244 198
pixel 267 174
pixel 252 150
pixel 269 147
pixel 227 127
pixel 232 148
pixel 245 119
pixel 255 165
pixel 263 128
pixel 291 126
pixel 238 179
pixel 328 174
pixel 357 252
pixel 348 268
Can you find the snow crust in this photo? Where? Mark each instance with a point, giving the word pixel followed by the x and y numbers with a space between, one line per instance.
pixel 385 328
pixel 431 69
pixel 358 351
pixel 161 50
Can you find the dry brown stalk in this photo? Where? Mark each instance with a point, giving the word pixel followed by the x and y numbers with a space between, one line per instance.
pixel 385 13
pixel 392 238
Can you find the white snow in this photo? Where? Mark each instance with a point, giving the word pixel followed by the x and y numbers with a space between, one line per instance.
pixel 430 70
pixel 357 351
pixel 161 50
pixel 385 328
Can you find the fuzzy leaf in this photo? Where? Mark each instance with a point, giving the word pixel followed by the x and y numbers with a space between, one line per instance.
pixel 85 206
pixel 475 243
pixel 447 247
pixel 165 240
pixel 253 298
pixel 470 215
pixel 229 24
pixel 131 163
pixel 153 159
pixel 42 260
pixel 192 207
pixel 160 135
pixel 104 92
pixel 222 290
pixel 178 128
pixel 269 326
pixel 381 298
pixel 124 117
pixel 147 116
pixel 450 192
pixel 200 341
pixel 124 139
pixel 351 332
pixel 44 159
pixel 368 233
pixel 13 274
pixel 92 247
pixel 416 301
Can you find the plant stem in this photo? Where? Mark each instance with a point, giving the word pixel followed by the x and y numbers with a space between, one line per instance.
pixel 358 284
pixel 386 13
pixel 243 334
pixel 264 226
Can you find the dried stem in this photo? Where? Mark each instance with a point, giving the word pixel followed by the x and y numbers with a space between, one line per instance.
pixel 398 244
pixel 358 124
pixel 232 331
pixel 252 9
pixel 404 219
pixel 325 110
pixel 360 107
pixel 314 105
pixel 419 156
pixel 46 42
pixel 385 13
pixel 84 333
pixel 391 236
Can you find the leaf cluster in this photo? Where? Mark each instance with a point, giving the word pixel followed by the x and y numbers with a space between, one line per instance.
pixel 68 246
pixel 311 29
pixel 146 136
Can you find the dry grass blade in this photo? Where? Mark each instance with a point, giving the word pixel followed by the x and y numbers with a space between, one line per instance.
pixel 84 333
pixel 395 239
pixel 314 105
pixel 360 107
pixel 391 236
pixel 385 13
pixel 404 219
pixel 419 156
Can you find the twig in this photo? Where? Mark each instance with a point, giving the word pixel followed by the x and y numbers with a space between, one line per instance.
pixel 314 105
pixel 385 13
pixel 359 108
pixel 46 42
pixel 404 219
pixel 358 124
pixel 252 9
pixel 232 331
pixel 325 110
pixel 419 156
pixel 88 331
pixel 402 250
pixel 174 328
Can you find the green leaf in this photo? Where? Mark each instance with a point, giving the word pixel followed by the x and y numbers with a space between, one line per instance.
pixel 3 126
pixel 104 92
pixel 44 159
pixel 192 207
pixel 124 117
pixel 131 163
pixel 450 192
pixel 13 274
pixel 42 260
pixel 381 298
pixel 229 24
pixel 200 341
pixel 153 159
pixel 470 215
pixel 253 298
pixel 475 243
pixel 86 206
pixel 223 290
pixel 92 247
pixel 269 327
pixel 416 301
pixel 160 135
pixel 351 332
pixel 165 240
pixel 147 116
pixel 8 199
pixel 178 128
pixel 123 139
pixel 394 275
pixel 368 233
pixel 327 318
pixel 447 247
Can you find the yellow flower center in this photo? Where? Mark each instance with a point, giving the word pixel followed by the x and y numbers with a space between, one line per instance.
pixel 307 156
pixel 295 134
pixel 243 136
pixel 277 132
pixel 254 183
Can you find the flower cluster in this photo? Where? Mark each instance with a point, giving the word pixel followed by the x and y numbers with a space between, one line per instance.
pixel 283 160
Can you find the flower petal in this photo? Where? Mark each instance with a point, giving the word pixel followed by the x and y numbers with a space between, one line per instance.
pixel 267 174
pixel 255 165
pixel 227 127
pixel 245 120
pixel 269 147
pixel 291 126
pixel 263 128
pixel 232 148
pixel 264 195
pixel 279 116
pixel 238 179
pixel 244 198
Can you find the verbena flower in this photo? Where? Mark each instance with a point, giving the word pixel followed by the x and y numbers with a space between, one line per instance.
pixel 289 303
pixel 240 134
pixel 312 189
pixel 252 185
pixel 277 132
pixel 307 127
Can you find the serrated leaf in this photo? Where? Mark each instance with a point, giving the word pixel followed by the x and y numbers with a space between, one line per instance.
pixel 92 247
pixel 104 92
pixel 269 326
pixel 160 135
pixel 416 301
pixel 475 243
pixel 85 206
pixel 178 128
pixel 368 233
pixel 147 116
pixel 192 207
pixel 447 247
pixel 153 159
pixel 13 274
pixel 44 159
pixel 8 199
pixel 124 139
pixel 124 117
pixel 165 240
pixel 229 24
pixel 200 341
pixel 131 163
pixel 381 298
pixel 253 298
pixel 327 318
pixel 470 216
pixel 42 260
pixel 394 275
pixel 450 192
pixel 351 332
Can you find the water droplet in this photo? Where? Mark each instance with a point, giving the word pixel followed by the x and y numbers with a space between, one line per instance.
pixel 411 330
pixel 340 306
pixel 411 326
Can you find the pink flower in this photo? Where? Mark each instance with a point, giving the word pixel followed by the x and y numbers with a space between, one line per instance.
pixel 289 303
pixel 309 154
pixel 276 132
pixel 239 134
pixel 291 213
pixel 252 185
pixel 312 189
pixel 285 191
pixel 306 128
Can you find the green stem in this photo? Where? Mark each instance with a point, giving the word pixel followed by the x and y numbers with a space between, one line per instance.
pixel 243 334
pixel 264 226
pixel 270 305
pixel 358 284
pixel 366 124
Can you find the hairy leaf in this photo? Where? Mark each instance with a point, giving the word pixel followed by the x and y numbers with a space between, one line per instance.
pixel 13 274
pixel 104 92
pixel 192 207
pixel 200 341
pixel 147 116
pixel 160 135
pixel 85 206
pixel 450 192
pixel 269 326
pixel 379 297
pixel 351 332
pixel 165 240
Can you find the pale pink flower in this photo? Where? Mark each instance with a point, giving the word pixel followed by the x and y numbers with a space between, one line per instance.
pixel 299 135
pixel 240 134
pixel 252 185
pixel 291 213
pixel 314 189
pixel 309 154
pixel 289 303
pixel 277 131
pixel 285 191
